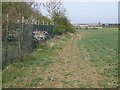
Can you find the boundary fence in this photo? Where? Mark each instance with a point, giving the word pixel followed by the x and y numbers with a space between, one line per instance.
pixel 20 38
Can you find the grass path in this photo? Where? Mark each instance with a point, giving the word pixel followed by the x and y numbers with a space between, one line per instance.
pixel 70 70
pixel 59 65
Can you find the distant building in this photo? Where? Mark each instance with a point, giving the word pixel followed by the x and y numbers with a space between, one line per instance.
pixel 85 26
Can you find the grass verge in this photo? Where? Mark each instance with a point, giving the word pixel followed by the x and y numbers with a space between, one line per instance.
pixel 27 70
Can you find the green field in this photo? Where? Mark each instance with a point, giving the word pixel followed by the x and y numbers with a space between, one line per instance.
pixel 102 47
pixel 86 59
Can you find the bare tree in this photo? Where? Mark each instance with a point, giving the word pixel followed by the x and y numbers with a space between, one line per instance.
pixel 52 7
pixel 35 6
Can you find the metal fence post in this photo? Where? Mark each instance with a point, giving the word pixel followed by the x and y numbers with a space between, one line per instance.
pixel 47 23
pixel 30 36
pixel 6 41
pixel 32 21
pixel 38 24
pixel 43 25
pixel 21 36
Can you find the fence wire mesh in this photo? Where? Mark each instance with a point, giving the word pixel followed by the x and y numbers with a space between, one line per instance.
pixel 19 38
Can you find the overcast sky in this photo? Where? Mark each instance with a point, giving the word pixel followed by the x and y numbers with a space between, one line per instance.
pixel 92 12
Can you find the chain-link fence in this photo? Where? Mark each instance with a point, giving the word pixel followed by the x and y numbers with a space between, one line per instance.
pixel 21 37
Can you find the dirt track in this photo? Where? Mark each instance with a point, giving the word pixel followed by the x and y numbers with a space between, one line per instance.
pixel 70 70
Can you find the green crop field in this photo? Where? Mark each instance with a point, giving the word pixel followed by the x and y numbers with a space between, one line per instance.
pixel 86 59
pixel 100 47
